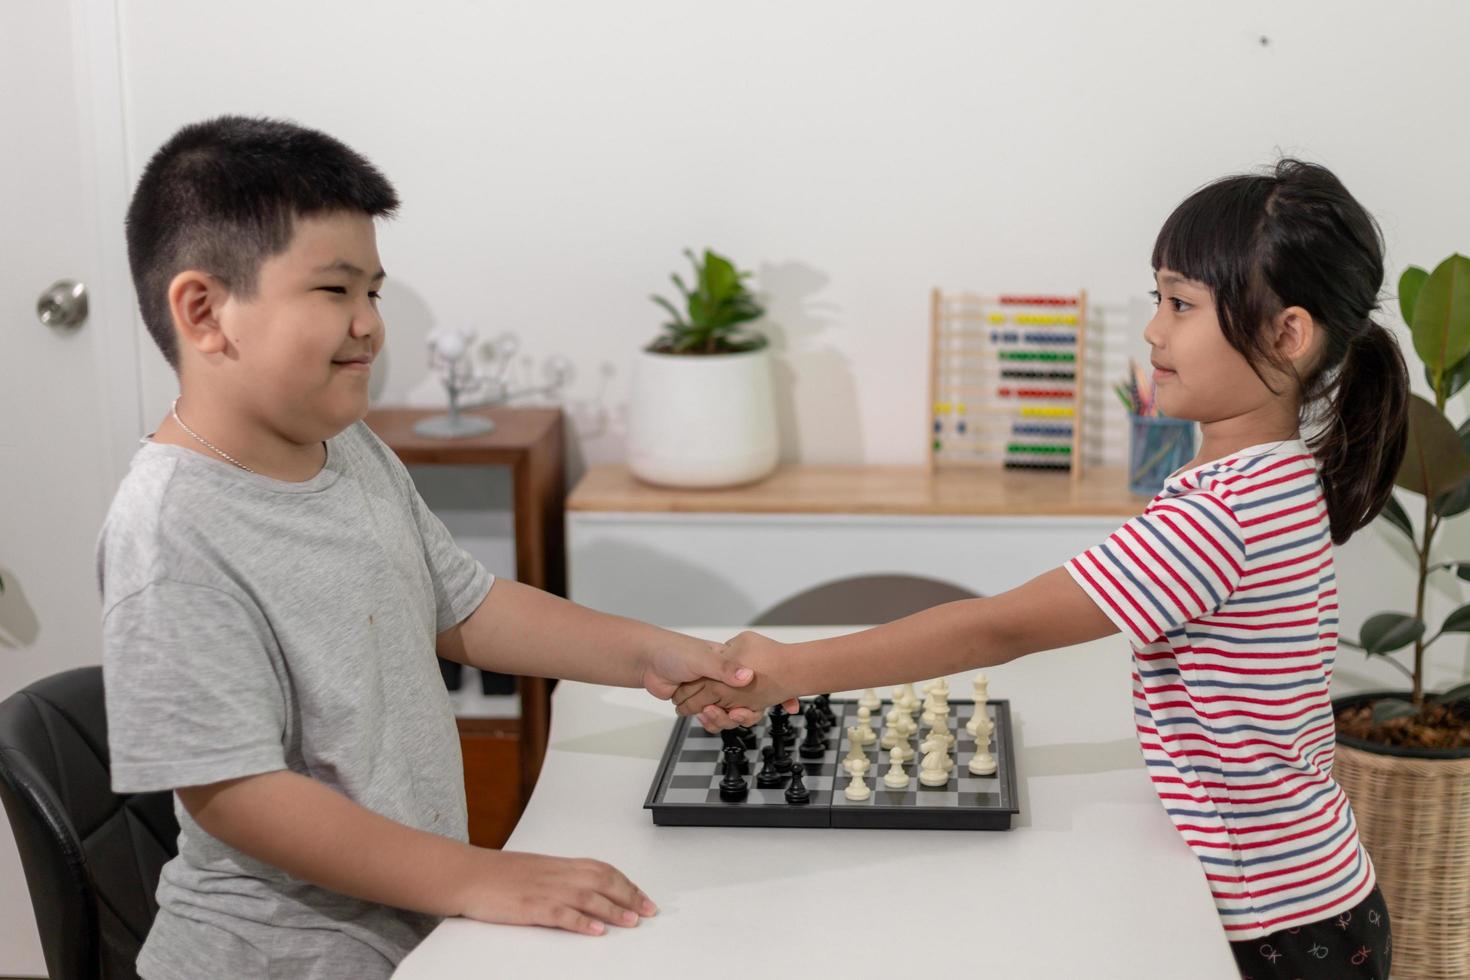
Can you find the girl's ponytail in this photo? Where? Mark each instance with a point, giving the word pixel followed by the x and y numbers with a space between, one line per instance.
pixel 1363 432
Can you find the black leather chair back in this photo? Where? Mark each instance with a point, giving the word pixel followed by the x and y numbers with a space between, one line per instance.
pixel 91 856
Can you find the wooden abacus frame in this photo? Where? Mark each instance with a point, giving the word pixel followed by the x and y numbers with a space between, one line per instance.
pixel 977 315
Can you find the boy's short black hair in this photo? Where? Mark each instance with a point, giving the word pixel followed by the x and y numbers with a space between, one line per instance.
pixel 222 196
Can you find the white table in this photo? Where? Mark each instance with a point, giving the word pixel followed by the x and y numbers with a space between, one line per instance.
pixel 1092 881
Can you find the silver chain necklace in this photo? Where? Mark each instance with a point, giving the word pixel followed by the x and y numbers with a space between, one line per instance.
pixel 174 409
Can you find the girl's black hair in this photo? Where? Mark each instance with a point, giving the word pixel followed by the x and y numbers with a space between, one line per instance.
pixel 222 196
pixel 1296 237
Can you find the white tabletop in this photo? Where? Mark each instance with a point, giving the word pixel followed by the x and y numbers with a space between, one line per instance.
pixel 1092 881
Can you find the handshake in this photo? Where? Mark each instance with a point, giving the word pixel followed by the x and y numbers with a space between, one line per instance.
pixel 726 684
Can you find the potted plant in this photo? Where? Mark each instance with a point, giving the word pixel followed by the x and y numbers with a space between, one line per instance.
pixel 1403 757
pixel 703 411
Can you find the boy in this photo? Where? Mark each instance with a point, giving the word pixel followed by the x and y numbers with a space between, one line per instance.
pixel 274 592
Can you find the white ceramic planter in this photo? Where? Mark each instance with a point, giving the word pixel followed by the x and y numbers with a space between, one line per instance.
pixel 702 420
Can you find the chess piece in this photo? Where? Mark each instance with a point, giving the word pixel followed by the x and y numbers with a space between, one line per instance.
pixel 892 731
pixel 981 686
pixel 769 777
pixel 824 704
pixel 933 771
pixel 870 700
pixel 864 733
pixel 797 794
pixel 730 738
pixel 982 763
pixel 857 790
pixel 814 746
pixel 733 788
pixel 980 726
pixel 780 754
pixel 902 751
pixel 911 700
pixel 855 754
pixel 747 736
pixel 895 777
pixel 781 728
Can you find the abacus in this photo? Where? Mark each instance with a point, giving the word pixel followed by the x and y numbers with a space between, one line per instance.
pixel 1005 381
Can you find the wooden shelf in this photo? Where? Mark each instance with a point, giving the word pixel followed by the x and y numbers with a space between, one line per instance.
pixel 892 490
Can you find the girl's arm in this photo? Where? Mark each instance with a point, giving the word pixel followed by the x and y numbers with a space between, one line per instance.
pixel 1048 612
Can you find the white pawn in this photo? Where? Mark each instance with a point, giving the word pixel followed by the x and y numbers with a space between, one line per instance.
pixel 907 726
pixel 891 730
pixel 895 777
pixel 857 790
pixel 864 735
pixel 933 771
pixel 901 750
pixel 870 700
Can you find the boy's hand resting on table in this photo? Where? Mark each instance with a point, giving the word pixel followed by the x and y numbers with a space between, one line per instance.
pixel 575 894
pixel 720 705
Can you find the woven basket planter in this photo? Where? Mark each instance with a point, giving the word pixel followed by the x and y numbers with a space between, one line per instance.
pixel 1413 813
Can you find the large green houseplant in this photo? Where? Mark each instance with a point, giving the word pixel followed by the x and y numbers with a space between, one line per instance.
pixel 1403 757
pixel 703 408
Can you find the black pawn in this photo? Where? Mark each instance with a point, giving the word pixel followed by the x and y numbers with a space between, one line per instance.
pixel 733 788
pixel 814 746
pixel 731 740
pixel 781 729
pixel 797 793
pixel 768 777
pixel 747 736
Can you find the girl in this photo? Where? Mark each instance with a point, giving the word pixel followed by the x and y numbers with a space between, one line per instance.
pixel 1225 588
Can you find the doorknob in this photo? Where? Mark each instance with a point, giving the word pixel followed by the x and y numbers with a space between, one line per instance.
pixel 64 304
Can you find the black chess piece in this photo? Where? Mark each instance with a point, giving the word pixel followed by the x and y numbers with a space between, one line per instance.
pixel 731 740
pixel 814 746
pixel 797 794
pixel 747 736
pixel 733 788
pixel 769 777
pixel 829 718
pixel 780 754
pixel 781 729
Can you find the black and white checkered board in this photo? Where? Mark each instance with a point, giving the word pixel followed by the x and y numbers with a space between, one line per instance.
pixel 686 788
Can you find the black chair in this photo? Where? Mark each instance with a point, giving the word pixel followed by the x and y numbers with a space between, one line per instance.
pixel 91 857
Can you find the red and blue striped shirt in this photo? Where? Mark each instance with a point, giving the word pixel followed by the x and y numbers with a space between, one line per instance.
pixel 1226 590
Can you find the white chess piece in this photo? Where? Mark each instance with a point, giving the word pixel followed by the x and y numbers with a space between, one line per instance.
pixel 942 687
pixel 870 700
pixel 938 711
pixel 981 685
pixel 979 721
pixel 857 790
pixel 856 760
pixel 933 771
pixel 911 700
pixel 907 726
pixel 901 751
pixel 865 734
pixel 891 730
pixel 982 763
pixel 895 777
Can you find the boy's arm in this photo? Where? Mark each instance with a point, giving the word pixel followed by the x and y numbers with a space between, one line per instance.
pixel 521 630
pixel 314 833
pixel 1048 612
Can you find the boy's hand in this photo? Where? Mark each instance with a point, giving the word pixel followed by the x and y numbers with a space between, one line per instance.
pixel 575 894
pixel 720 705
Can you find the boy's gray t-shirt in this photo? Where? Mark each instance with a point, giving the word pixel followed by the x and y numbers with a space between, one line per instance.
pixel 252 625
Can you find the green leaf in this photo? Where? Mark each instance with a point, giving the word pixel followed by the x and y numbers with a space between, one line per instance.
pixel 1457 621
pixel 1456 378
pixel 1434 460
pixel 1409 285
pixel 673 312
pixel 720 280
pixel 1385 632
pixel 1441 323
pixel 1453 694
pixel 1394 513
pixel 1388 709
pixel 1454 501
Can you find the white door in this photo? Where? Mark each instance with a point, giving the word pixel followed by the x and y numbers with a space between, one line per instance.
pixel 68 395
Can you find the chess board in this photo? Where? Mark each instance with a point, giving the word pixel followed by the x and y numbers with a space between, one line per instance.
pixel 686 788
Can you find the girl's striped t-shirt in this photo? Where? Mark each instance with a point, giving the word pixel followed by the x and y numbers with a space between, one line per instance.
pixel 1225 588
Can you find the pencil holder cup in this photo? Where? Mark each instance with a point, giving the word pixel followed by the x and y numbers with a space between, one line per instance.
pixel 1157 446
